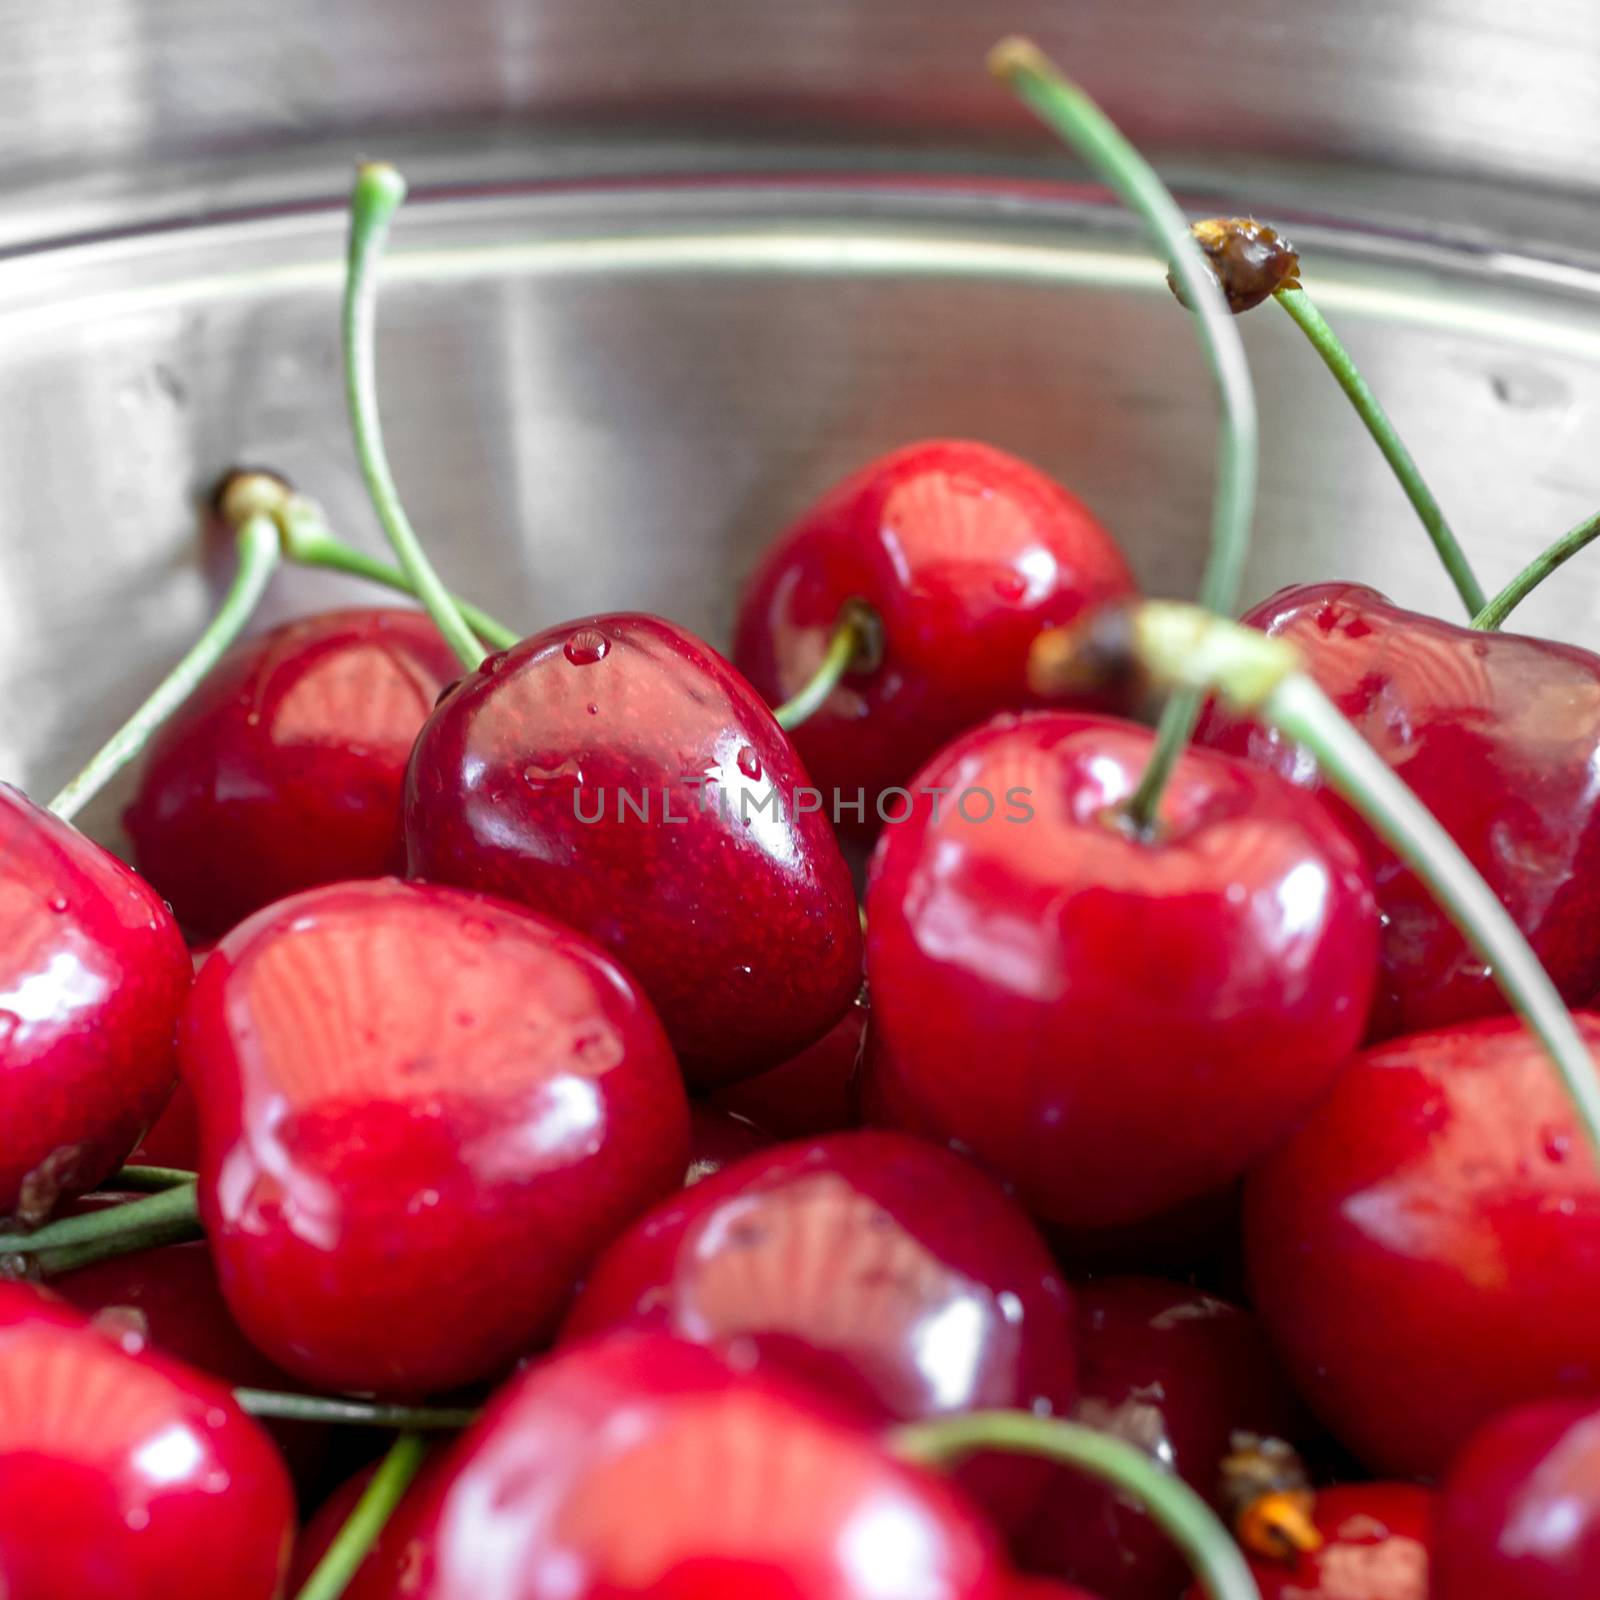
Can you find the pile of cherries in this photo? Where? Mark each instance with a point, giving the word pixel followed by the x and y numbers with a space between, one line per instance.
pixel 540 1076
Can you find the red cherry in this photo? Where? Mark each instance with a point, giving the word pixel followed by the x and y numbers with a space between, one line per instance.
pixel 125 1473
pixel 1424 1248
pixel 1498 736
pixel 1114 1024
pixel 93 972
pixel 380 1575
pixel 965 553
pixel 1519 1515
pixel 284 769
pixel 1377 1540
pixel 421 1112
pixel 890 1272
pixel 718 1137
pixel 174 1139
pixel 641 1465
pixel 528 781
pixel 1176 1372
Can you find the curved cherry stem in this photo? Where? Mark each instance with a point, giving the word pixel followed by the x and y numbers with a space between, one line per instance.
pixel 1091 134
pixel 147 1180
pixel 1305 315
pixel 853 647
pixel 378 193
pixel 1492 615
pixel 332 1574
pixel 287 1407
pixel 259 550
pixel 1182 1515
pixel 167 1217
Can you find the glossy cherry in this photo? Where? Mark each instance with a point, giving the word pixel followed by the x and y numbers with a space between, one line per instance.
pixel 1426 1249
pixel 1499 736
pixel 1176 1372
pixel 731 904
pixel 1115 1024
pixel 124 1473
pixel 1519 1514
pixel 421 1112
pixel 718 1137
pixel 284 770
pixel 964 553
pixel 1377 1538
pixel 641 1465
pixel 93 972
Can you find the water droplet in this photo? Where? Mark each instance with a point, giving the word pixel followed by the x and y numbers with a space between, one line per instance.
pixel 1011 586
pixel 1556 1145
pixel 585 647
pixel 252 719
pixel 594 711
pixel 57 903
pixel 492 664
pixel 749 762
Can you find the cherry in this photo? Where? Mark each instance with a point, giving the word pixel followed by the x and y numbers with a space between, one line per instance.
pixel 124 1473
pixel 93 972
pixel 1046 1589
pixel 284 770
pixel 1115 1023
pixel 1176 1372
pixel 174 1137
pixel 887 1270
pixel 642 1465
pixel 964 553
pixel 1424 1249
pixel 731 904
pixel 1498 736
pixel 391 1552
pixel 1377 1538
pixel 1519 1515
pixel 421 1112
pixel 717 1137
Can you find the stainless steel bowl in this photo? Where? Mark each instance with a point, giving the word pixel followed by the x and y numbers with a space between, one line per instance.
pixel 615 361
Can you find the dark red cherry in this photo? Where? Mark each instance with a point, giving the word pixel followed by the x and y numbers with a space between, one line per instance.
pixel 1377 1537
pixel 1115 1024
pixel 1046 1589
pixel 1519 1513
pixel 1426 1249
pixel 93 972
pixel 1499 737
pixel 729 901
pixel 964 553
pixel 174 1137
pixel 642 1465
pixel 812 1093
pixel 718 1137
pixel 124 1473
pixel 421 1113
pixel 284 769
pixel 1176 1372
pixel 381 1573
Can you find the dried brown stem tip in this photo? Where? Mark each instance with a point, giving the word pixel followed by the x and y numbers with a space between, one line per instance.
pixel 1016 55
pixel 245 491
pixel 1092 656
pixel 1269 1498
pixel 1250 260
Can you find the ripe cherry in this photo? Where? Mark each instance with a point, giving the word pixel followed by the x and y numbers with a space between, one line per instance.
pixel 124 1473
pixel 1423 1248
pixel 421 1112
pixel 643 1465
pixel 284 770
pixel 1519 1513
pixel 964 554
pixel 1176 1372
pixel 1114 1023
pixel 93 972
pixel 618 774
pixel 1498 736
pixel 891 1272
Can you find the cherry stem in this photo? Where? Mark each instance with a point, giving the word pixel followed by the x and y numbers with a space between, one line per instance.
pixel 258 547
pixel 1305 315
pixel 168 1217
pixel 286 1407
pixel 1563 550
pixel 851 648
pixel 332 1574
pixel 1091 134
pixel 147 1180
pixel 1182 1515
pixel 378 193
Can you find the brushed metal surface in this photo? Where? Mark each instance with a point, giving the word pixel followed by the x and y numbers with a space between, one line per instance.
pixel 607 398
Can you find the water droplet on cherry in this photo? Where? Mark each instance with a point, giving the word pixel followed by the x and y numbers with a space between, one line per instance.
pixel 585 647
pixel 749 762
pixel 1011 586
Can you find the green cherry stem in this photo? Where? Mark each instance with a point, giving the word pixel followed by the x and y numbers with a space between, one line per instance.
pixel 853 647
pixel 167 1217
pixel 1182 1515
pixel 332 1574
pixel 258 547
pixel 1066 109
pixel 378 193
pixel 1305 315
pixel 1492 615
pixel 286 1407
pixel 147 1180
